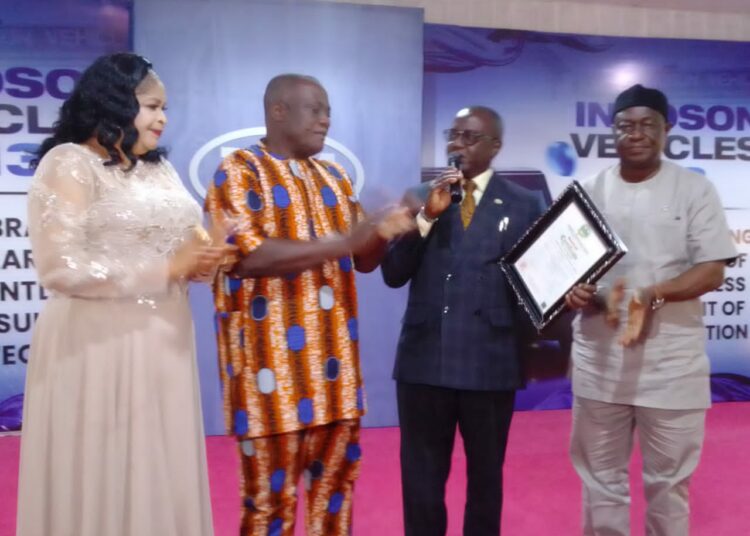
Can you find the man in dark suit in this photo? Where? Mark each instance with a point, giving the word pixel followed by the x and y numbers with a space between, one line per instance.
pixel 457 360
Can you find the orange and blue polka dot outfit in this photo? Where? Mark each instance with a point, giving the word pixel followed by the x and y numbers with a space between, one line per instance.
pixel 327 459
pixel 288 345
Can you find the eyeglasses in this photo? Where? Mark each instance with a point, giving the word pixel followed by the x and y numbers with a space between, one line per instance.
pixel 467 137
pixel 646 128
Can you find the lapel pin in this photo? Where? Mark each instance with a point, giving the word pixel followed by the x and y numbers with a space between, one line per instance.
pixel 503 225
pixel 498 201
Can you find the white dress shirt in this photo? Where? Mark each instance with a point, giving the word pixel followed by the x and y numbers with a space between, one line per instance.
pixel 480 181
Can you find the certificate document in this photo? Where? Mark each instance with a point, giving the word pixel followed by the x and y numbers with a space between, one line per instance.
pixel 560 257
pixel 571 243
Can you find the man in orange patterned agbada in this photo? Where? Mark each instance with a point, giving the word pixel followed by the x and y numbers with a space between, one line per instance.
pixel 287 314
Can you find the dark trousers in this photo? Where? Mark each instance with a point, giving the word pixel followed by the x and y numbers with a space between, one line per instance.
pixel 428 417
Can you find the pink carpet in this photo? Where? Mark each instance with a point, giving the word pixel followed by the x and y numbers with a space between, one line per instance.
pixel 542 491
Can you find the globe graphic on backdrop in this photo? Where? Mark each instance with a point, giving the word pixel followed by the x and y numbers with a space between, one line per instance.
pixel 561 158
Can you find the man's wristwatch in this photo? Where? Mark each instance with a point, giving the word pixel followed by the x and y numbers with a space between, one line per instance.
pixel 657 302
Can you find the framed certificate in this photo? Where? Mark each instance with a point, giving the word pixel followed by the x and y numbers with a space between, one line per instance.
pixel 571 243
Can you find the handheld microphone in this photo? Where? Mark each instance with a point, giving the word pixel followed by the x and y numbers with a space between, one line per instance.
pixel 454 161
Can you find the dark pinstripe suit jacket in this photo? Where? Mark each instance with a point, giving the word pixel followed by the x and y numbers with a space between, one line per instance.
pixel 460 329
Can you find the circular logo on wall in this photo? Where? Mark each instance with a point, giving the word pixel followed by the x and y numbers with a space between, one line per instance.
pixel 205 160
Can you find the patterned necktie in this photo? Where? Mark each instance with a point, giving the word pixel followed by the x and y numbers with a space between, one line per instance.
pixel 468 204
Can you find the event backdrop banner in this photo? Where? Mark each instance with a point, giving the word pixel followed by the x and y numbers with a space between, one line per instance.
pixel 42 53
pixel 555 93
pixel 216 57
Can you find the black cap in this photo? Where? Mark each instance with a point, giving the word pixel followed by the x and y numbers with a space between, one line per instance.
pixel 638 95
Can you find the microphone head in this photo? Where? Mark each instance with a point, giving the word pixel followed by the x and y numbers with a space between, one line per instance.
pixel 454 160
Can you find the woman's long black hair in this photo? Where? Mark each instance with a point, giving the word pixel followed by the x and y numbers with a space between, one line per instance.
pixel 103 103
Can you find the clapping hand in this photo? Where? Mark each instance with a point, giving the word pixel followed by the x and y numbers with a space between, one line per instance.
pixel 206 251
pixel 370 233
pixel 395 222
pixel 613 302
pixel 639 315
pixel 222 227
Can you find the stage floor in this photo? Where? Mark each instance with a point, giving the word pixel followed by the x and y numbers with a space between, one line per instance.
pixel 542 493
